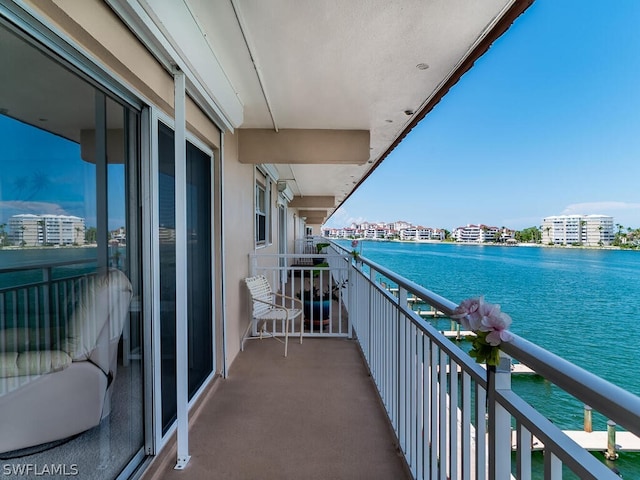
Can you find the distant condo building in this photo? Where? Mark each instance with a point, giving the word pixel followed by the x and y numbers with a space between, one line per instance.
pixel 588 230
pixel 384 231
pixel 29 230
pixel 482 234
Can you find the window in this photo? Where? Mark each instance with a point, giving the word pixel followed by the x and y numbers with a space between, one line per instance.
pixel 263 210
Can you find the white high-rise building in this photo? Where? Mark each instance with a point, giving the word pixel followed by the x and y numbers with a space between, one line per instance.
pixel 30 230
pixel 588 230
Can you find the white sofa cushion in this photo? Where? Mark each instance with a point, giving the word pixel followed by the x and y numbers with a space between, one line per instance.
pixel 14 364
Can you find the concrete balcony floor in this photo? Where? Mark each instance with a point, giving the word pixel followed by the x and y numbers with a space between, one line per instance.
pixel 312 415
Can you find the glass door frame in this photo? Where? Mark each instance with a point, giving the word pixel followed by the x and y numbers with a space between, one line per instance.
pixel 151 212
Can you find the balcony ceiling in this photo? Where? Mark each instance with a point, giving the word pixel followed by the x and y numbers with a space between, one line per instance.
pixel 314 65
pixel 331 64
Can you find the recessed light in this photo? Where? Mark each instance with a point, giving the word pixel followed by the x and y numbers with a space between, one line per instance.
pixel 408 112
pixel 422 66
pixel 388 121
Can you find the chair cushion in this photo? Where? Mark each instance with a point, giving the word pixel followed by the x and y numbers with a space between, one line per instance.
pixel 14 364
pixel 280 314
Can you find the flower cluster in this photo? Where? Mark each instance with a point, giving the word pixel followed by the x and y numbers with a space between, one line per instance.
pixel 354 252
pixel 490 326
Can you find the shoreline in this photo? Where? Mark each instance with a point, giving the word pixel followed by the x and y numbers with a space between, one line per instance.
pixel 526 244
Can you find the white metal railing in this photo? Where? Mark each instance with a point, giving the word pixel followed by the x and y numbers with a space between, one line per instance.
pixel 39 295
pixel 453 418
pixel 319 280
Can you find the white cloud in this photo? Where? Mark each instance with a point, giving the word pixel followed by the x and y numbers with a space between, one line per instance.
pixel 342 218
pixel 15 207
pixel 625 213
pixel 590 208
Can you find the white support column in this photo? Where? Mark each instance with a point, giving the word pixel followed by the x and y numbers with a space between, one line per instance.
pixel 499 421
pixel 182 354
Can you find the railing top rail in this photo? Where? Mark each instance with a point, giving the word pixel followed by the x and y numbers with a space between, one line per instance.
pixel 38 266
pixel 298 255
pixel 614 402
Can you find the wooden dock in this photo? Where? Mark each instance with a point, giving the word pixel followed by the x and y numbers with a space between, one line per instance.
pixel 430 313
pixel 592 441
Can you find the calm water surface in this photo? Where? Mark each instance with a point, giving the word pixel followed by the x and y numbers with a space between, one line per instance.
pixel 581 304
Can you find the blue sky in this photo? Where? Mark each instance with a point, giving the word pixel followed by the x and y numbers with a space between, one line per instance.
pixel 43 173
pixel 546 123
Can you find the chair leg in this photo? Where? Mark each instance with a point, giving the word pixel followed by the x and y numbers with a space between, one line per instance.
pixel 286 336
pixel 301 327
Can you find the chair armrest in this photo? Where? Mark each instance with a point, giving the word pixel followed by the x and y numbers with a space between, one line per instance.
pixel 287 297
pixel 275 305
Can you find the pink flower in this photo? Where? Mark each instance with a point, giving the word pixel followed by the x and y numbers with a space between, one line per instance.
pixel 477 315
pixel 496 323
pixel 468 312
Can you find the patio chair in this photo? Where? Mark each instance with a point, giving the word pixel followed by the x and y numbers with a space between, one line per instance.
pixel 265 308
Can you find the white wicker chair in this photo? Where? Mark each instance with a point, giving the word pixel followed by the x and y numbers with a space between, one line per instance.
pixel 265 308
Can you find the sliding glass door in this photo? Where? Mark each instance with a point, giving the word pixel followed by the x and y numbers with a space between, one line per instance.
pixel 199 270
pixel 70 268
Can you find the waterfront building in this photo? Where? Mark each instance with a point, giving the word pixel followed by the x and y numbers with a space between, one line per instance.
pixel 419 233
pixel 588 230
pixel 222 135
pixel 394 230
pixel 399 225
pixel 476 234
pixel 30 230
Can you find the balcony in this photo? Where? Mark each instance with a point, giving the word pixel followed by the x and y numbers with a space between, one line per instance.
pixel 314 414
pixel 376 392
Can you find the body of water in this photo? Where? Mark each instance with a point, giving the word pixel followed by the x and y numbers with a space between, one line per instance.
pixel 581 304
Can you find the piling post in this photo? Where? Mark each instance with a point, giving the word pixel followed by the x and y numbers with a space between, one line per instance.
pixel 611 453
pixel 588 425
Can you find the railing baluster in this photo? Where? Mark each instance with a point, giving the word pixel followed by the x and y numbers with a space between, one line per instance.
pixel 453 418
pixel 481 433
pixel 419 407
pixel 443 444
pixel 465 427
pixel 434 444
pixel 552 466
pixel 523 453
pixel 426 402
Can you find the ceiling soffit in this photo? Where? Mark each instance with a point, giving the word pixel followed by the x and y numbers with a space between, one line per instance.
pixel 313 202
pixel 294 146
